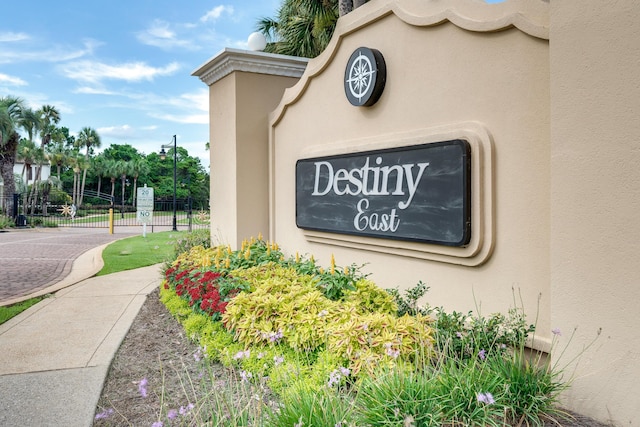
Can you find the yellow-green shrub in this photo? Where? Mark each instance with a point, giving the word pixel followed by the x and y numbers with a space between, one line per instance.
pixel 371 298
pixel 373 340
pixel 284 306
pixel 363 329
pixel 178 307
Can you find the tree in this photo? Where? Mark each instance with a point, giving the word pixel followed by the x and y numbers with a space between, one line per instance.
pixel 304 27
pixel 10 112
pixel 113 169
pixel 99 168
pixel 138 167
pixel 58 156
pixel 192 179
pixel 48 117
pixel 27 153
pixel 89 139
pixel 78 163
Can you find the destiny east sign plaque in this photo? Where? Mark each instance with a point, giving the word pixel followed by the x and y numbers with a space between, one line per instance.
pixel 418 193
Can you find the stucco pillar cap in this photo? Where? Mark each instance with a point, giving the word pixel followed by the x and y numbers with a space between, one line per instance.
pixel 230 60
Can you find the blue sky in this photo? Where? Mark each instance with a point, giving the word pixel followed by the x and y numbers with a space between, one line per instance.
pixel 122 67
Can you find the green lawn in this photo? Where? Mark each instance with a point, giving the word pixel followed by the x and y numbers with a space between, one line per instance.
pixel 138 251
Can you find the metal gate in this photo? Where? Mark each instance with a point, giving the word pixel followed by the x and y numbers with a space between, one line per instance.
pixel 98 215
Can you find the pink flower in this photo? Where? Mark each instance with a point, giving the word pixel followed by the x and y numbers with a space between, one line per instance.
pixel 486 398
pixel 142 387
pixel 104 414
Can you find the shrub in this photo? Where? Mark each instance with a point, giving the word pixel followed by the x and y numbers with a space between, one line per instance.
pixel 463 336
pixel 408 304
pixel 6 222
pixel 195 238
pixel 315 336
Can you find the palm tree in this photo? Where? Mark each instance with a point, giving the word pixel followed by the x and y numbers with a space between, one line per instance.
pixel 125 169
pixel 99 167
pixel 112 170
pixel 10 112
pixel 74 162
pixel 58 156
pixel 138 167
pixel 89 139
pixel 26 152
pixel 49 116
pixel 30 122
pixel 302 27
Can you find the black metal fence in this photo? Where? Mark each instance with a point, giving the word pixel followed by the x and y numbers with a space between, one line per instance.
pixel 98 215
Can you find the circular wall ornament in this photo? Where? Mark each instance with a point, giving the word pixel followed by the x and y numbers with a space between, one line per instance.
pixel 365 77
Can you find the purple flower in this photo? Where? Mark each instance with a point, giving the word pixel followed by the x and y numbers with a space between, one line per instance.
pixel 459 335
pixel 246 376
pixel 197 355
pixel 482 354
pixel 486 398
pixel 172 414
pixel 242 355
pixel 104 414
pixel 184 410
pixel 556 331
pixel 278 360
pixel 157 424
pixel 390 351
pixel 142 387
pixel 345 371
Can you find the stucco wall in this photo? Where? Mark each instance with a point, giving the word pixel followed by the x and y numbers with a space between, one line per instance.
pixel 244 87
pixel 595 200
pixel 554 134
pixel 441 80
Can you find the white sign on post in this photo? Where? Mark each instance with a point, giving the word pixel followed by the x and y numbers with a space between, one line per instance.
pixel 144 207
pixel 145 217
pixel 144 200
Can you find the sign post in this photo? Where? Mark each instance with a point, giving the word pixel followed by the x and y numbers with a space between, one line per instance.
pixel 144 207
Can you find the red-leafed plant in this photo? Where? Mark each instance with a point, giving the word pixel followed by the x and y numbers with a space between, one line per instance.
pixel 206 290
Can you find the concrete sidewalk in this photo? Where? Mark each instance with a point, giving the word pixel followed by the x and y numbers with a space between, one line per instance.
pixel 55 356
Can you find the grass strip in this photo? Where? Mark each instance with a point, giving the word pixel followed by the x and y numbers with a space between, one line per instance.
pixel 138 251
pixel 13 310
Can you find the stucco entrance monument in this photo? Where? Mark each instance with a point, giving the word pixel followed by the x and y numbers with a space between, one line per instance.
pixel 483 149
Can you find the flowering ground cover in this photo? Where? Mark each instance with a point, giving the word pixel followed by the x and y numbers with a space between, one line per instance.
pixel 285 342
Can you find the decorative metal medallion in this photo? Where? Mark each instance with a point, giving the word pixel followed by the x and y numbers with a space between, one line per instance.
pixel 365 77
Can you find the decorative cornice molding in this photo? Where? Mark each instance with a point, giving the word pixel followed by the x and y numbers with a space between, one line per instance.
pixel 230 60
pixel 529 16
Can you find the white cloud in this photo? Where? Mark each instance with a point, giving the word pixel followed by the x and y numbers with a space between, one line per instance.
pixel 117 132
pixel 50 54
pixel 94 72
pixel 13 37
pixel 160 34
pixel 216 12
pixel 12 81
pixel 191 119
pixel 88 90
pixel 188 108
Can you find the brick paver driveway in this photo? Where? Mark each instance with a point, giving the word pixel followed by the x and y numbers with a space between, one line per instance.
pixel 33 259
